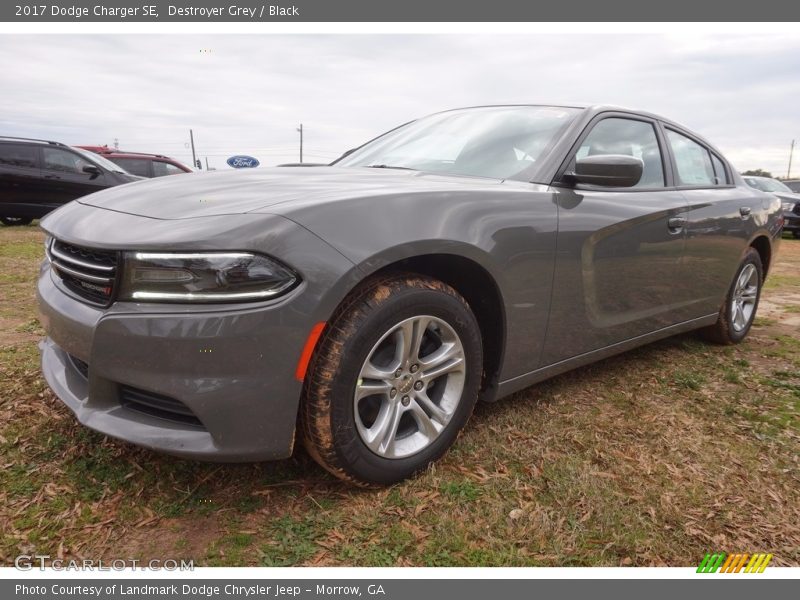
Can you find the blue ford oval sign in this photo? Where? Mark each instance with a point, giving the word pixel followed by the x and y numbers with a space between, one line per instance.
pixel 241 161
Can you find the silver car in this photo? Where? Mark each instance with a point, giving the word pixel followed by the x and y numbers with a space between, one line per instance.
pixel 366 306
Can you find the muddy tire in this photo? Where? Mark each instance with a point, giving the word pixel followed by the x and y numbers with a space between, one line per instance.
pixel 393 380
pixel 741 303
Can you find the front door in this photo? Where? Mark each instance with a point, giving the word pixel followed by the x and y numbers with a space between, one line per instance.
pixel 619 251
pixel 64 177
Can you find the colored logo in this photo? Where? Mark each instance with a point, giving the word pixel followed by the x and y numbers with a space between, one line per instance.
pixel 240 161
pixel 734 563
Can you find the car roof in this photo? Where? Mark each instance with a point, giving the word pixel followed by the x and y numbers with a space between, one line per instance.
pixel 24 140
pixel 595 109
pixel 106 151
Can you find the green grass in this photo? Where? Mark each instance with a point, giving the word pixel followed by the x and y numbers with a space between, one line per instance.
pixel 690 379
pixel 776 281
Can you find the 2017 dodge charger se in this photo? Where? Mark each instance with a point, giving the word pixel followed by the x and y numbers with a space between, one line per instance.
pixel 369 304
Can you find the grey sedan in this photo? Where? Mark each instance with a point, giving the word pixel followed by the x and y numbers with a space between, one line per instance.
pixel 366 306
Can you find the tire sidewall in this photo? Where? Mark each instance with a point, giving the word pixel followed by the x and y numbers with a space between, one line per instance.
pixel 751 258
pixel 401 305
pixel 15 221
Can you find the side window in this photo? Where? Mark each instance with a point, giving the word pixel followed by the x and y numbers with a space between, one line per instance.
pixel 161 168
pixel 134 166
pixel 692 161
pixel 633 138
pixel 18 155
pixel 719 170
pixel 56 159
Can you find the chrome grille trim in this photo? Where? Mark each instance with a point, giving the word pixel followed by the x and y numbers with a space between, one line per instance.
pixel 88 273
pixel 76 261
pixel 82 275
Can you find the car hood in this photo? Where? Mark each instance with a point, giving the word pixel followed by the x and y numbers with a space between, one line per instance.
pixel 786 196
pixel 243 191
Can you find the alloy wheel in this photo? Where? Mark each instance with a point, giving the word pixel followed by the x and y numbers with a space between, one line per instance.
pixel 409 387
pixel 745 294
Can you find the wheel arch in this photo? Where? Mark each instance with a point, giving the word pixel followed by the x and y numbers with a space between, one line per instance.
pixel 483 295
pixel 763 246
pixel 466 272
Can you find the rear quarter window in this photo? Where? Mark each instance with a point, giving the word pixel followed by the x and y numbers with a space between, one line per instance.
pixel 161 168
pixel 134 166
pixel 18 155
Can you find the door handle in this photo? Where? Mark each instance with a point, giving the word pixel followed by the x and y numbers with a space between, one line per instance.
pixel 675 224
pixel 745 211
pixel 52 177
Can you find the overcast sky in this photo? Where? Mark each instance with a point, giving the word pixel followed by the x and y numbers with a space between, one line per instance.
pixel 246 94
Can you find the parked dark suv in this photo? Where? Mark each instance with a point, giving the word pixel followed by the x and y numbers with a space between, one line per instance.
pixel 37 176
pixel 139 163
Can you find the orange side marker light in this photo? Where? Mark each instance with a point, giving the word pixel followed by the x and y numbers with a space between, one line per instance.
pixel 308 350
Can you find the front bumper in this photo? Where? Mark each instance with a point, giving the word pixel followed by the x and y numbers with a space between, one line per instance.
pixel 791 221
pixel 233 370
pixel 230 369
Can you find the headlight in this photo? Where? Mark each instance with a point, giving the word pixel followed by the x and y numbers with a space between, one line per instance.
pixel 787 206
pixel 203 277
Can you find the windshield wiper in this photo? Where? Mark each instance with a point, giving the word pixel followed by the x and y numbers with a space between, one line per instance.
pixel 389 167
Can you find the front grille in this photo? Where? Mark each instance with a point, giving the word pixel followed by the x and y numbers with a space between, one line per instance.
pixel 89 273
pixel 80 366
pixel 157 405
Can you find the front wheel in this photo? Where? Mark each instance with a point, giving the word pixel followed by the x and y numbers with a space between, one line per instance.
pixel 796 234
pixel 11 221
pixel 393 381
pixel 739 308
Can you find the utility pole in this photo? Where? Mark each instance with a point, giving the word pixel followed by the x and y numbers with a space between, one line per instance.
pixel 791 151
pixel 300 129
pixel 194 156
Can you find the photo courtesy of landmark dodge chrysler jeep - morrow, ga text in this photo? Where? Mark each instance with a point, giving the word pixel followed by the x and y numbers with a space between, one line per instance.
pixel 370 303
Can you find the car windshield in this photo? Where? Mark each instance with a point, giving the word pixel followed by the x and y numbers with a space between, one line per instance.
pixel 497 142
pixel 99 160
pixel 768 185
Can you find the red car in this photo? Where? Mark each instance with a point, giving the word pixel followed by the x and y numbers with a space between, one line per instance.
pixel 139 163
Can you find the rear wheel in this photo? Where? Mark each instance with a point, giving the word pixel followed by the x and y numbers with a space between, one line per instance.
pixel 739 309
pixel 10 221
pixel 393 381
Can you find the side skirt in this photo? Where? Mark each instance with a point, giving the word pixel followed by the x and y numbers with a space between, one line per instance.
pixel 509 386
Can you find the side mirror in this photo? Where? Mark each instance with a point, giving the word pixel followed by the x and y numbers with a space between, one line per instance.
pixel 92 170
pixel 608 170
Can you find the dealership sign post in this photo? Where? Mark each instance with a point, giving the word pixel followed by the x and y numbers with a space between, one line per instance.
pixel 241 161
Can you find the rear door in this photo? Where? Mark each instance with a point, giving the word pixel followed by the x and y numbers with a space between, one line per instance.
pixel 20 180
pixel 64 177
pixel 619 250
pixel 720 221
